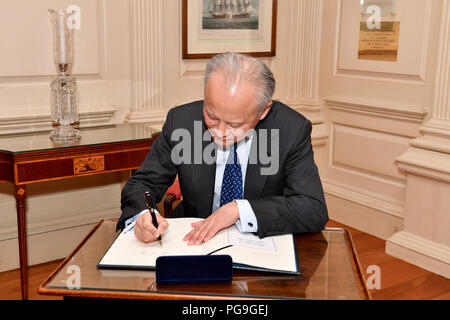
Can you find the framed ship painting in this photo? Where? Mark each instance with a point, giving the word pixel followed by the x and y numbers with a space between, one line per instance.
pixel 216 26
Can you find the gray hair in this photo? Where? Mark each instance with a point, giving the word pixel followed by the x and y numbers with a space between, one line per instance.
pixel 238 68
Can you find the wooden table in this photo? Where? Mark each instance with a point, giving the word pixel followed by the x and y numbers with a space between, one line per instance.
pixel 33 158
pixel 328 264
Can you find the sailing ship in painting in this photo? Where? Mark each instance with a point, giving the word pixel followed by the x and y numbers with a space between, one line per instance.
pixel 230 9
pixel 230 14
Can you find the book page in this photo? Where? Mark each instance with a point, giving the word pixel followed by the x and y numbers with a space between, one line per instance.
pixel 249 240
pixel 220 240
pixel 277 253
pixel 282 259
pixel 127 250
pixel 172 238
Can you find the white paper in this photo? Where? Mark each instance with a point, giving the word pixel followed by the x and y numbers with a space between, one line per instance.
pixel 249 240
pixel 129 251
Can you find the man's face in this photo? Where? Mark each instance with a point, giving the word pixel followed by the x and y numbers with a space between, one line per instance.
pixel 230 112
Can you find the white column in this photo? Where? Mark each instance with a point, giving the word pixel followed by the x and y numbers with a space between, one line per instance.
pixel 304 52
pixel 147 61
pixel 440 123
pixel 302 85
pixel 425 240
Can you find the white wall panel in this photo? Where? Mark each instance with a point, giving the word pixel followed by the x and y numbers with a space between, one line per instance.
pixel 27 38
pixel 368 150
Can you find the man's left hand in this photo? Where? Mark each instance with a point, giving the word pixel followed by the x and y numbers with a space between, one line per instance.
pixel 204 230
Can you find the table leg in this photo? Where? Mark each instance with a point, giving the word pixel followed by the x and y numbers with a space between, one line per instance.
pixel 20 194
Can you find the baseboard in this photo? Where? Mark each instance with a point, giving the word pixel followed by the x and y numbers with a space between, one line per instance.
pixel 421 252
pixel 367 199
pixel 375 222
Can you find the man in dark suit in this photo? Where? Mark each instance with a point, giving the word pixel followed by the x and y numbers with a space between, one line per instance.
pixel 240 157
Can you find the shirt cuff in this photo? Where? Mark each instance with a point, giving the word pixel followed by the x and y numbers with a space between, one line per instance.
pixel 247 220
pixel 133 219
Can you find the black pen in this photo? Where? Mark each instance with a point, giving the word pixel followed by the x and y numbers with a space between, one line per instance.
pixel 149 204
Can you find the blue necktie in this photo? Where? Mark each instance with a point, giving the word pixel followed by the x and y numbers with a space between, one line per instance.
pixel 232 179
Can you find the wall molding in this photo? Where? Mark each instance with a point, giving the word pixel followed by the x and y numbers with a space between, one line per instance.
pixel 40 120
pixel 309 107
pixel 425 163
pixel 432 143
pixel 437 128
pixel 151 117
pixel 396 112
pixel 312 112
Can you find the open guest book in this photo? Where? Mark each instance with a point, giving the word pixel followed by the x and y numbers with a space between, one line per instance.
pixel 272 254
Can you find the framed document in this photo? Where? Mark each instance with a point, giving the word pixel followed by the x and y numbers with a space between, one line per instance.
pixel 379 31
pixel 379 44
pixel 398 49
pixel 215 26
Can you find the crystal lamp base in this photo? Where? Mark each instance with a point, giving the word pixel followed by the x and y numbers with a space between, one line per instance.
pixel 65 134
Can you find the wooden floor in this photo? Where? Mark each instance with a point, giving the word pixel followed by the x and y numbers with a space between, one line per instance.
pixel 399 280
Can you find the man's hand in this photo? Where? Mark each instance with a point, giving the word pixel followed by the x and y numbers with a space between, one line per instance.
pixel 144 229
pixel 204 230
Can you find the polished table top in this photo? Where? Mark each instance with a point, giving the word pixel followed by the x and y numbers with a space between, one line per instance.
pixel 40 141
pixel 327 263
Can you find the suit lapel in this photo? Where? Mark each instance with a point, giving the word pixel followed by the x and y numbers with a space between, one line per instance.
pixel 204 176
pixel 254 181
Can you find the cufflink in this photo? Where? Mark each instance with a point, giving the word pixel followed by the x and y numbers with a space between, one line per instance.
pixel 250 224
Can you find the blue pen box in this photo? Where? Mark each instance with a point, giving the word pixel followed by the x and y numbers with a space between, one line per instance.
pixel 194 269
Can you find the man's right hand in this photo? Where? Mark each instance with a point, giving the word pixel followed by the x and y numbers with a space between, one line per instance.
pixel 145 231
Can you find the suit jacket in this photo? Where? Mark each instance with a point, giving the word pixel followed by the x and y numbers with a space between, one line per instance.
pixel 290 200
